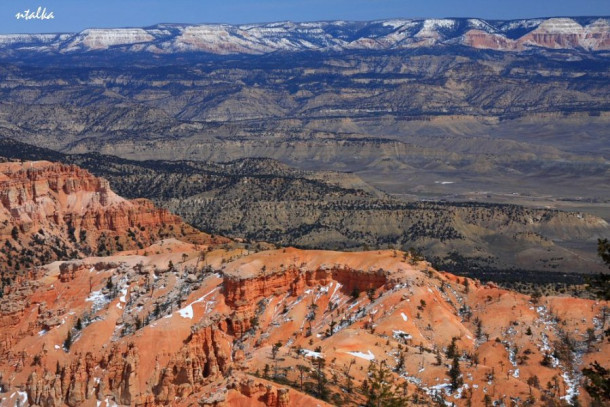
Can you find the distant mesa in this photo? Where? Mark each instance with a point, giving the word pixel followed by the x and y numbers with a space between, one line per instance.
pixel 589 34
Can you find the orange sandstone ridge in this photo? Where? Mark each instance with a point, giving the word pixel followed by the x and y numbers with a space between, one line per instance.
pixel 181 326
pixel 52 211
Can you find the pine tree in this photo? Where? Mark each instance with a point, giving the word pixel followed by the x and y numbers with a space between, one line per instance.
pixel 381 390
pixel 452 349
pixel 599 286
pixel 479 331
pixel 311 316
pixel 603 250
pixel 455 374
pixel 15 233
pixel 68 341
pixel 320 378
pixel 439 358
pixel 302 370
pixel 597 383
pixel 332 327
pixel 274 351
pixel 401 362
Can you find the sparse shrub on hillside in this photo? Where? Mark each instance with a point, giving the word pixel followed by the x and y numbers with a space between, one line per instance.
pixel 533 381
pixel 547 360
pixel 603 250
pixel 599 286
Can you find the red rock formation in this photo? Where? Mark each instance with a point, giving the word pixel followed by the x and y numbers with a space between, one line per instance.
pixel 204 358
pixel 67 271
pixel 246 291
pixel 484 40
pixel 268 394
pixel 184 336
pixel 242 293
pixel 60 211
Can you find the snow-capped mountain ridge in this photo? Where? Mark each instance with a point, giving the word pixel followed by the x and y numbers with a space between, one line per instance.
pixel 591 34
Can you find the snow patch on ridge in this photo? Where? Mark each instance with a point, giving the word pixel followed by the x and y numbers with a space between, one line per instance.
pixel 187 312
pixel 311 354
pixel 366 356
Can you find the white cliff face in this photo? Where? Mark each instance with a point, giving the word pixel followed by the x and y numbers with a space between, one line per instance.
pixel 32 39
pixel 104 38
pixel 560 26
pixel 222 39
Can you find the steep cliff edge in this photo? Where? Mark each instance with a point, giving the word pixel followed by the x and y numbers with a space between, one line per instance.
pixel 52 211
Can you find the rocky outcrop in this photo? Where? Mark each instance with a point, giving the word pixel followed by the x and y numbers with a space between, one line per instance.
pixel 245 291
pixel 55 211
pixel 72 385
pixel 120 375
pixel 45 389
pixel 40 194
pixel 67 271
pixel 205 357
pixel 268 394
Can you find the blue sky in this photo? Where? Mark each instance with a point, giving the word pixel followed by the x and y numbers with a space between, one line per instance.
pixel 75 15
